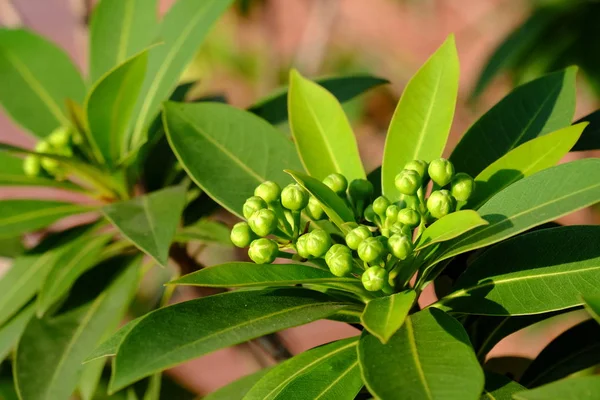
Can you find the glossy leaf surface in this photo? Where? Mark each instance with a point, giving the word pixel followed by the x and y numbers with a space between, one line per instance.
pixel 449 227
pixel 383 316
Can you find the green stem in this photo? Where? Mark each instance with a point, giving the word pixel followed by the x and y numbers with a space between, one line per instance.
pixel 297 216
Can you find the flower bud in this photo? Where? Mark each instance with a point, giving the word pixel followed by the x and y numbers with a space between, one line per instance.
pixel 462 186
pixel 318 243
pixel 339 260
pixel 380 205
pixel 50 165
pixel 400 245
pixel 370 214
pixel 60 137
pixel 263 222
pixel 301 248
pixel 409 217
pixel 336 182
pixel 252 205
pixel 418 166
pixel 391 214
pixel 31 166
pixel 374 278
pixel 314 209
pixel 399 227
pixel 355 237
pixel 408 182
pixel 371 250
pixel 263 251
pixel 294 198
pixel 360 190
pixel 440 203
pixel 441 171
pixel 269 191
pixel 241 235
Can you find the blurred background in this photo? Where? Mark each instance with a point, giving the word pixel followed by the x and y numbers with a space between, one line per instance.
pixel 501 43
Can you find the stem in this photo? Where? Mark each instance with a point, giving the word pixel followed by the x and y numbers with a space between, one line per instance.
pixel 296 215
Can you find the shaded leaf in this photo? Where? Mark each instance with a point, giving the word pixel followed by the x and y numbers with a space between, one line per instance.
pixel 206 231
pixel 449 227
pixel 592 305
pixel 590 138
pixel 577 388
pixel 11 331
pixel 321 130
pixel 421 123
pixel 237 389
pixel 11 247
pixel 499 387
pixel 383 316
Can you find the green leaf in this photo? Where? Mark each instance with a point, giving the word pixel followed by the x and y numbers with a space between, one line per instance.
pixel 11 331
pixel 590 138
pixel 174 334
pixel 274 108
pixel 205 231
pixel 110 347
pixel 578 388
pixel 80 256
pixel 237 389
pixel 542 197
pixel 246 274
pixel 10 247
pixel 527 159
pixel 150 221
pixel 430 357
pixel 531 110
pixel 334 206
pixel 328 372
pixel 421 123
pixel 499 387
pixel 118 30
pixel 212 139
pixel 50 354
pixel 91 374
pixel 183 29
pixel 109 107
pixel 557 265
pixel 574 350
pixel 383 316
pixel 23 216
pixel 592 305
pixel 321 130
pixel 450 227
pixel 37 78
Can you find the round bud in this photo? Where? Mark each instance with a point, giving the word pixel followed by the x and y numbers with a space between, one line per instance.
pixel 441 171
pixel 314 209
pixel 43 147
pixel 409 217
pixel 355 237
pixel 418 166
pixel 391 213
pixel 263 222
pixel 339 260
pixel 241 235
pixel 361 189
pixel 269 191
pixel 374 278
pixel 59 137
pixel 294 198
pixel 371 250
pixel 301 248
pixel 408 182
pixel 440 203
pixel 336 182
pixel 51 165
pixel 370 214
pixel 400 246
pixel 31 166
pixel 263 251
pixel 399 227
pixel 462 186
pixel 318 243
pixel 380 205
pixel 252 205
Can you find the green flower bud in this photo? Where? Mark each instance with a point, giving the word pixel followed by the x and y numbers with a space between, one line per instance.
pixel 241 235
pixel 252 205
pixel 440 203
pixel 31 166
pixel 380 205
pixel 399 227
pixel 360 190
pixel 294 198
pixel 301 246
pixel 374 278
pixel 441 171
pixel 391 214
pixel 314 209
pixel 263 222
pixel 318 243
pixel 339 260
pixel 269 191
pixel 43 147
pixel 462 186
pixel 400 245
pixel 60 137
pixel 409 217
pixel 336 182
pixel 51 166
pixel 408 182
pixel 355 237
pixel 370 214
pixel 263 251
pixel 418 166
pixel 371 250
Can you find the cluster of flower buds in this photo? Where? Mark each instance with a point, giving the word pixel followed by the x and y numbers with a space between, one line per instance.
pixel 59 142
pixel 376 246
